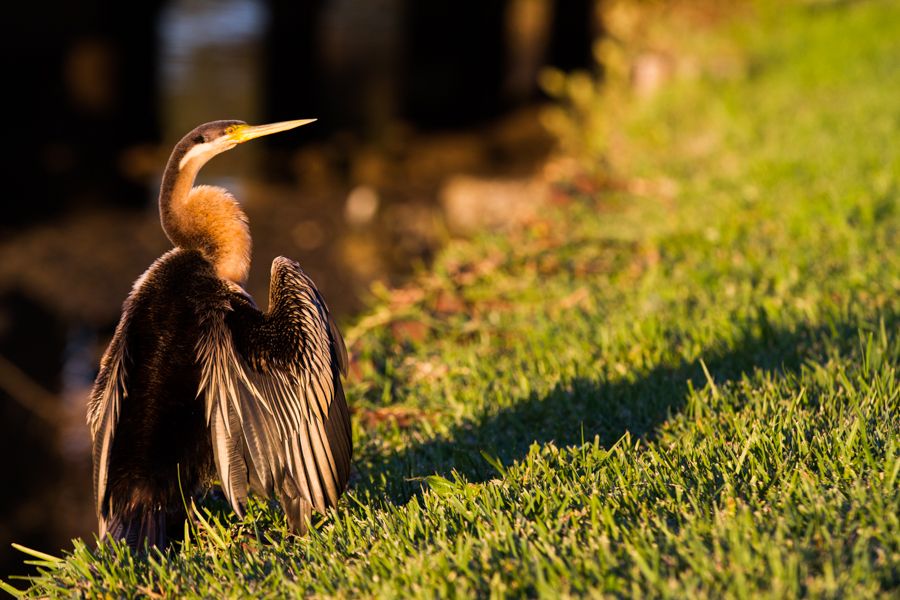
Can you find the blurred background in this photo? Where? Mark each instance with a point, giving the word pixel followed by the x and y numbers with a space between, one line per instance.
pixel 430 126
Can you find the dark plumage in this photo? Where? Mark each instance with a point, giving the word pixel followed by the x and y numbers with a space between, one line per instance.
pixel 198 382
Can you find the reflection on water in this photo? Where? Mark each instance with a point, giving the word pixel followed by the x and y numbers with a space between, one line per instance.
pixel 189 25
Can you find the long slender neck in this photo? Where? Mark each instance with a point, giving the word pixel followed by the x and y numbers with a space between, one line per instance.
pixel 176 186
pixel 204 218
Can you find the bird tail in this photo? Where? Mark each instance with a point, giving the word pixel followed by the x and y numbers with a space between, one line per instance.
pixel 137 527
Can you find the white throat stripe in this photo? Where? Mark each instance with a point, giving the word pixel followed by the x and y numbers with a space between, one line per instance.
pixel 207 149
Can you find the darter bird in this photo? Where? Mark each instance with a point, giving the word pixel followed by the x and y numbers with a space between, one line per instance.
pixel 197 381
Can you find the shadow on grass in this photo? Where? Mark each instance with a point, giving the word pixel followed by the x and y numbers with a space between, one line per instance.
pixel 579 410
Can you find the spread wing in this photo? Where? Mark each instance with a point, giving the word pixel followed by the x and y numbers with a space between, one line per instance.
pixel 131 373
pixel 275 406
pixel 103 410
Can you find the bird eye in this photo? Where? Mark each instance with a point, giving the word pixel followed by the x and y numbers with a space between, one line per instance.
pixel 230 129
pixel 199 139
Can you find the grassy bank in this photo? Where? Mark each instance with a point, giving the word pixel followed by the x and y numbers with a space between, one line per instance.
pixel 687 388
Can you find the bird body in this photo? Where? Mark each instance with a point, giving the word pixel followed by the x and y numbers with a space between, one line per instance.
pixel 197 382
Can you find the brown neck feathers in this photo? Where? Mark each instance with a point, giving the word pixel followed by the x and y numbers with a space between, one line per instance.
pixel 205 218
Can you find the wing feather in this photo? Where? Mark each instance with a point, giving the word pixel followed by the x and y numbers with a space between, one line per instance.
pixel 228 453
pixel 275 404
pixel 104 406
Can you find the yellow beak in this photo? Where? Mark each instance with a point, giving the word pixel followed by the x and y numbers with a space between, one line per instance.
pixel 244 133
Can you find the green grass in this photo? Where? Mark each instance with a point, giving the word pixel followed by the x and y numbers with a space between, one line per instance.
pixel 691 392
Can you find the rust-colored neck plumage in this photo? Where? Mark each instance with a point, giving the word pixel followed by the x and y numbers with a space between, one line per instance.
pixel 204 218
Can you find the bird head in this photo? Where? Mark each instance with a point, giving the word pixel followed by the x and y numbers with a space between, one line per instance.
pixel 210 139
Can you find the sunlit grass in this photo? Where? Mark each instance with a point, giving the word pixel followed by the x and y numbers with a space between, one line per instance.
pixel 691 393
